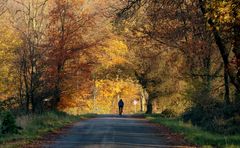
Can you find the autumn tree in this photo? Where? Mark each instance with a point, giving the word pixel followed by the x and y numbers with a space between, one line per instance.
pixel 28 19
pixel 9 43
pixel 178 26
pixel 67 26
pixel 223 19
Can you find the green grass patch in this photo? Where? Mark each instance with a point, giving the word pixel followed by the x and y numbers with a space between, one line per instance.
pixel 196 135
pixel 35 126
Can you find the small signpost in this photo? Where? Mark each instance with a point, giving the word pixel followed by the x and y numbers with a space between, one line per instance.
pixel 135 102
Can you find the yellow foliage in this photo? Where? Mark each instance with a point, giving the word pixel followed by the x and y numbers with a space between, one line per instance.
pixel 222 11
pixel 108 93
pixel 9 42
pixel 115 52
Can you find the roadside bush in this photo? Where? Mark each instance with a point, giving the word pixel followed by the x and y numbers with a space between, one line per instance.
pixel 229 111
pixel 232 125
pixel 207 111
pixel 194 114
pixel 216 117
pixel 169 113
pixel 8 125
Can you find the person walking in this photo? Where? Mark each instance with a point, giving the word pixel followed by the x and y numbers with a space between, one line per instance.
pixel 120 106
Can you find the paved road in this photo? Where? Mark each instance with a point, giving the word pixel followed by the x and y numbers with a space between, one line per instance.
pixel 112 131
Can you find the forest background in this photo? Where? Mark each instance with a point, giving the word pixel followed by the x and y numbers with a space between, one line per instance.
pixel 180 58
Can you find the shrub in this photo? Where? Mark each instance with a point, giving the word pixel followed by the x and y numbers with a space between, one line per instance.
pixel 169 113
pixel 216 118
pixel 204 111
pixel 207 111
pixel 194 114
pixel 232 125
pixel 9 124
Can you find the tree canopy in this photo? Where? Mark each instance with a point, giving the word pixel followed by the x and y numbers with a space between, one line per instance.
pixel 83 56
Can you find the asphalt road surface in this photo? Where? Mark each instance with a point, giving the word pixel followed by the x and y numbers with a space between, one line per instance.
pixel 113 131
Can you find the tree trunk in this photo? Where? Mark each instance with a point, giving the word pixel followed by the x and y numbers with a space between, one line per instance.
pixel 235 80
pixel 57 91
pixel 26 86
pixel 150 104
pixel 143 99
pixel 20 88
pixel 149 108
pixel 207 69
pixel 56 96
pixel 141 104
pixel 226 84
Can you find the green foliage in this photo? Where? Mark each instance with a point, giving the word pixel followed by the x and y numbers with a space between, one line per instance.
pixel 231 125
pixel 8 125
pixel 48 122
pixel 196 135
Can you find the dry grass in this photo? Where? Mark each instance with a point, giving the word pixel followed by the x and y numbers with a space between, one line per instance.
pixel 35 126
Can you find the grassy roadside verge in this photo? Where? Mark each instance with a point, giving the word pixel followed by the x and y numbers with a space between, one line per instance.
pixel 35 126
pixel 196 135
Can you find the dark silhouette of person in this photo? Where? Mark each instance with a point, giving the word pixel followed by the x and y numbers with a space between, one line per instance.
pixel 120 105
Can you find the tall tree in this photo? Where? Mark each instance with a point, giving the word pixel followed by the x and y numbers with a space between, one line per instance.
pixel 223 19
pixel 29 21
pixel 67 27
pixel 178 26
